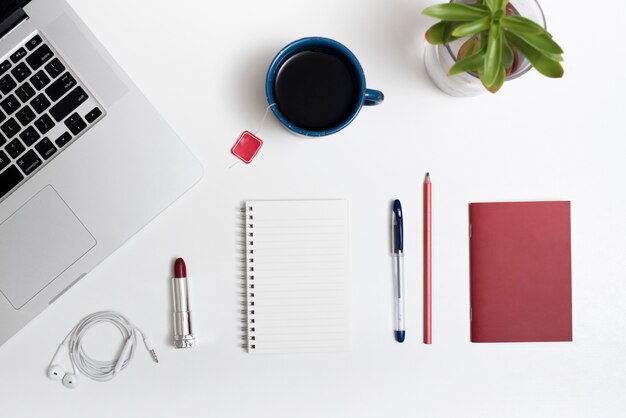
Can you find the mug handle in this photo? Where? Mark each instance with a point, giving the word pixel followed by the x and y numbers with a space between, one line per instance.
pixel 373 97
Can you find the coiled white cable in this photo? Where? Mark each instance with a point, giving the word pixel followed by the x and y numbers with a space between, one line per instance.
pixel 104 370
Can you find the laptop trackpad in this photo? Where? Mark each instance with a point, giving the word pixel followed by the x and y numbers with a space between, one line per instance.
pixel 38 243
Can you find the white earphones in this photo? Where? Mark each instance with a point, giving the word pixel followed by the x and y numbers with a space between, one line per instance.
pixel 70 380
pixel 57 372
pixel 96 369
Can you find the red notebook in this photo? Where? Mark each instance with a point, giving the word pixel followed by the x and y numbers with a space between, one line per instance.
pixel 520 272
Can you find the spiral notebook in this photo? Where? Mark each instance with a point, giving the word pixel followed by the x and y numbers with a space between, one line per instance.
pixel 297 276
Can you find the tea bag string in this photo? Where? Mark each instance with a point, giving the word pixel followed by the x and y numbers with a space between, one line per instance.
pixel 267 111
pixel 258 129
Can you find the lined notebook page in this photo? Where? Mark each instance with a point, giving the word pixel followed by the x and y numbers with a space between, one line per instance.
pixel 297 275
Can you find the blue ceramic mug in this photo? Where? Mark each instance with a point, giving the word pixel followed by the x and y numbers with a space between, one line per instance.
pixel 361 96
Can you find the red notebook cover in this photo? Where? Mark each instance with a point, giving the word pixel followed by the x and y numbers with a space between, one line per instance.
pixel 520 272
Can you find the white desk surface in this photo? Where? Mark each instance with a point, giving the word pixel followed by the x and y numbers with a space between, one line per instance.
pixel 203 66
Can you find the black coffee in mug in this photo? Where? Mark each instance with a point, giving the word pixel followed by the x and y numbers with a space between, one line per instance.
pixel 316 89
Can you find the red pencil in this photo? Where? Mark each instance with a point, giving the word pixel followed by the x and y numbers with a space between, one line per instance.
pixel 428 254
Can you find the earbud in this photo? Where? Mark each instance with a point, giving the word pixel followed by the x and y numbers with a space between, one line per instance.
pixel 70 380
pixel 56 372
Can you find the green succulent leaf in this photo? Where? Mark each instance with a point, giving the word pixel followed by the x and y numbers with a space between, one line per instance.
pixel 495 5
pixel 507 55
pixel 545 65
pixel 493 57
pixel 553 57
pixel 490 4
pixel 467 64
pixel 521 24
pixel 441 33
pixel 543 42
pixel 498 83
pixel 471 47
pixel 457 12
pixel 466 29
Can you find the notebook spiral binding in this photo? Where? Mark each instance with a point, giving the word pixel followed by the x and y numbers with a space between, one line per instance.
pixel 250 320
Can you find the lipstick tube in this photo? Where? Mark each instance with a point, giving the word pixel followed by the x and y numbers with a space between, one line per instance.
pixel 183 331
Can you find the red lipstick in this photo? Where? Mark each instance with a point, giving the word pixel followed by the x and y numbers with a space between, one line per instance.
pixel 180 269
pixel 183 332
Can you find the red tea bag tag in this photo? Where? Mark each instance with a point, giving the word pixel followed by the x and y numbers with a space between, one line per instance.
pixel 246 147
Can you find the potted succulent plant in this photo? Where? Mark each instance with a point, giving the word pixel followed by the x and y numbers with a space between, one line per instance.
pixel 480 44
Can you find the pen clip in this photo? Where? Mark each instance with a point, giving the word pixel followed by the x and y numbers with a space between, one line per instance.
pixel 397 228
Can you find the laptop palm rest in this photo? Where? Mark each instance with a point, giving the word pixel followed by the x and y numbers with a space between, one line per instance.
pixel 37 243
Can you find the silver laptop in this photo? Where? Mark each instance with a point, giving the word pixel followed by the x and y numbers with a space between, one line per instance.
pixel 85 160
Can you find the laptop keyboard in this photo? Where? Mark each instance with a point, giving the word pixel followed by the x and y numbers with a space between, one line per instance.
pixel 43 108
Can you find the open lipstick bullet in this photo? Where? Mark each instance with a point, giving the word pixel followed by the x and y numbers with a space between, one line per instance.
pixel 183 332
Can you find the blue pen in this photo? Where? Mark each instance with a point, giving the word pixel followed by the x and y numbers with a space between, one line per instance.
pixel 397 239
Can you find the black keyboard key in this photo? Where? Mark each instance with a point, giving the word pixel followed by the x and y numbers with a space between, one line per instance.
pixel 3 140
pixel 18 55
pixel 25 115
pixel 29 162
pixel 29 136
pixel 2 118
pixel 15 148
pixel 68 104
pixel 7 84
pixel 21 72
pixel 25 92
pixel 39 57
pixel 45 148
pixel 35 40
pixel 76 124
pixel 40 80
pixel 60 87
pixel 10 128
pixel 9 178
pixel 10 104
pixel 78 127
pixel 55 68
pixel 4 160
pixel 93 115
pixel 40 103
pixel 74 117
pixel 4 67
pixel 63 139
pixel 44 124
